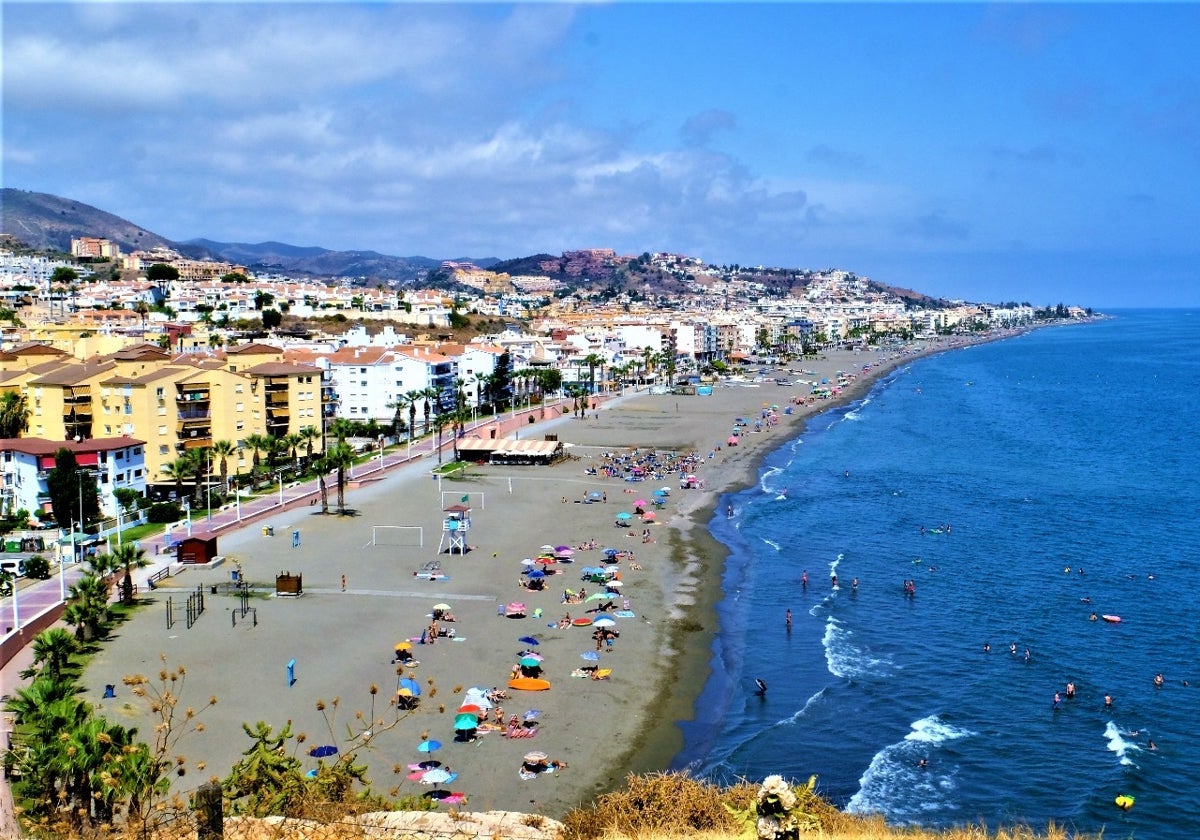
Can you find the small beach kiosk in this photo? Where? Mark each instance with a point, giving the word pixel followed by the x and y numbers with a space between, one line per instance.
pixel 514 452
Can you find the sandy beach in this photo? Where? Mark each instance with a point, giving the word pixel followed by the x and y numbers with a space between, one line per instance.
pixel 342 632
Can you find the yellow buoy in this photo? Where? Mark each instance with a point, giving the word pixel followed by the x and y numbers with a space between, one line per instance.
pixel 1124 802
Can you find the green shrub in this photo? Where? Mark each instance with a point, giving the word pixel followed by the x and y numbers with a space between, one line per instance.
pixel 161 513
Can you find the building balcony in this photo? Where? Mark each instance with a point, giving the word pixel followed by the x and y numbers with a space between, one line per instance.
pixel 192 396
pixel 77 398
pixel 189 416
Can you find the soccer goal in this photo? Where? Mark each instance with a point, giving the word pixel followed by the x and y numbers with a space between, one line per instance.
pixel 406 535
pixel 478 499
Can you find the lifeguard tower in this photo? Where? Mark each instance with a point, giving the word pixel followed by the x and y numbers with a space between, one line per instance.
pixel 454 530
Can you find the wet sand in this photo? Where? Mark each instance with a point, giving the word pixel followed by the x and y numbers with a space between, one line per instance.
pixel 342 641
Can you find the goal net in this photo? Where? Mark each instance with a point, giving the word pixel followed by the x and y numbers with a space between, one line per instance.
pixel 404 535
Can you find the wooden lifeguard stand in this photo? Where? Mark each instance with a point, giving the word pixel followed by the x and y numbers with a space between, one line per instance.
pixel 454 529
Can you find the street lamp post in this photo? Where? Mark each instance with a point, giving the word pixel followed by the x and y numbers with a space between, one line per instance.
pixel 208 481
pixel 281 488
pixel 381 441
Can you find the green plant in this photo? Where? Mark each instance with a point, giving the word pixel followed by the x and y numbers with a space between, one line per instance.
pixel 37 567
pixel 778 811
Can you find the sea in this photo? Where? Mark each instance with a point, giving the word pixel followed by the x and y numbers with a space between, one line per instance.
pixel 1021 486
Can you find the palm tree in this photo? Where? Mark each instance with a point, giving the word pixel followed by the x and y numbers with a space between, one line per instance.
pixel 257 443
pixel 321 467
pixel 340 457
pixel 53 649
pixel 87 606
pixel 223 449
pixel 429 395
pixel 411 399
pixel 292 441
pixel 177 471
pixel 309 434
pixel 201 465
pixel 593 361
pixel 14 414
pixel 142 309
pixel 128 555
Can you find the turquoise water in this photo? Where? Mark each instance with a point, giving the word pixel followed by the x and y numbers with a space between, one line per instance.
pixel 1063 462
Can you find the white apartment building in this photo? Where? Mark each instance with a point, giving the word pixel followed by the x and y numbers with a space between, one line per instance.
pixel 25 464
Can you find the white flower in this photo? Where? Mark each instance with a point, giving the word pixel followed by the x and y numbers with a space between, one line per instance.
pixel 768 828
pixel 787 799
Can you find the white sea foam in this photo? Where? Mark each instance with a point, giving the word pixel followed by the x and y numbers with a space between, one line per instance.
pixel 845 658
pixel 895 785
pixel 1118 744
pixel 771 543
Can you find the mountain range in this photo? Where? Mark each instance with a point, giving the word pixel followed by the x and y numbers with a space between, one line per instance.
pixel 45 222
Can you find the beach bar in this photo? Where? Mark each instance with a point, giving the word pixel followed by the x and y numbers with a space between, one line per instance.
pixel 523 452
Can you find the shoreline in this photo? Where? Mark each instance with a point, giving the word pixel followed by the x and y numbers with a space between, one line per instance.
pixel 341 635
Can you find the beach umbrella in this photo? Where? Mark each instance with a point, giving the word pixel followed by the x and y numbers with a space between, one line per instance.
pixel 660 492
pixel 412 685
pixel 536 575
pixel 640 503
pixel 427 764
pixel 546 548
pixel 611 552
pixel 323 751
pixel 529 662
pixel 429 746
pixel 596 596
pixel 464 723
pixel 470 709
pixel 547 561
pixel 437 776
pixel 529 640
pixel 560 548
pixel 535 757
pixel 666 491
pixel 614 584
pixel 649 516
pixel 403 645
pixel 604 622
pixel 564 553
pixel 590 656
pixel 441 606
pixel 404 692
pixel 441 795
pixel 623 515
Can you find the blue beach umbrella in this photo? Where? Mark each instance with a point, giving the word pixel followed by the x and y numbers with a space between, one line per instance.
pixel 590 656
pixel 623 515
pixel 462 724
pixel 429 746
pixel 323 751
pixel 529 640
pixel 412 685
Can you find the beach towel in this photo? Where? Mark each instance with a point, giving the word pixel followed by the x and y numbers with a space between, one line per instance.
pixel 624 614
pixel 522 732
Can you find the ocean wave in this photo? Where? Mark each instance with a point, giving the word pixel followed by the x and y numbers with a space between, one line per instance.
pixel 1118 744
pixel 847 660
pixel 897 786
pixel 773 545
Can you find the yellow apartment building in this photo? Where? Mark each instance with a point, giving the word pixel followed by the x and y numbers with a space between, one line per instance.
pixel 173 404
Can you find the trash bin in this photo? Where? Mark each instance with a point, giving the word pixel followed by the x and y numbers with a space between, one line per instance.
pixel 212 590
pixel 266 531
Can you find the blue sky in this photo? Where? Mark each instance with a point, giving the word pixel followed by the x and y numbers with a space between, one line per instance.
pixel 1028 152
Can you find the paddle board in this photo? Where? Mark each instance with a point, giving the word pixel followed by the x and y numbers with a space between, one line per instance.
pixel 529 684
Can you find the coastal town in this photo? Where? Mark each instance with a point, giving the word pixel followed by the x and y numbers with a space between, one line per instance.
pixel 193 396
pixel 178 354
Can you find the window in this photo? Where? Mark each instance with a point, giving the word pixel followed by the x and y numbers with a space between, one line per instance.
pixel 162 411
pixel 164 449
pixel 162 430
pixel 362 370
pixel 237 389
pixel 239 407
pixel 137 450
pixel 120 456
pixel 241 425
pixel 137 473
pixel 128 408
